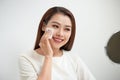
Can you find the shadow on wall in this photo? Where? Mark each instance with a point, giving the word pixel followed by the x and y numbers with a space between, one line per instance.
pixel 113 48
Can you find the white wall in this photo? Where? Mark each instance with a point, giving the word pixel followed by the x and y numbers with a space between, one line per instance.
pixel 96 21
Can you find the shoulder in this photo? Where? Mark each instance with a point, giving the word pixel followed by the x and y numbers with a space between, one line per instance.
pixel 26 54
pixel 75 59
pixel 81 67
pixel 31 56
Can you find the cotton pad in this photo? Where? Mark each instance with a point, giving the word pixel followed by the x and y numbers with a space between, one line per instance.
pixel 51 32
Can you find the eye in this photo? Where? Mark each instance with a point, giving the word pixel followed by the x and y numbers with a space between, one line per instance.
pixel 55 26
pixel 67 29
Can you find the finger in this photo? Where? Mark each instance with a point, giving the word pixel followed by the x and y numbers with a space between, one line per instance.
pixel 45 39
pixel 49 31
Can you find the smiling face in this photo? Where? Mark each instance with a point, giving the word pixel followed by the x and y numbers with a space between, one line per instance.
pixel 62 29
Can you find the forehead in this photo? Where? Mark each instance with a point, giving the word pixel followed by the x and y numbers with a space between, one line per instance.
pixel 61 19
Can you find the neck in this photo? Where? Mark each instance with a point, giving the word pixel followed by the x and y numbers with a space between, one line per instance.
pixel 57 53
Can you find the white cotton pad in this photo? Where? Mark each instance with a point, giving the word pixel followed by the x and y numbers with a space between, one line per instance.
pixel 51 32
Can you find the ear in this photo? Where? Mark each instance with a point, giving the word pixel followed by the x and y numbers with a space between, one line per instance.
pixel 43 27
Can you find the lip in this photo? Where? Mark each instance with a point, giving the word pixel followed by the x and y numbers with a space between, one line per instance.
pixel 57 40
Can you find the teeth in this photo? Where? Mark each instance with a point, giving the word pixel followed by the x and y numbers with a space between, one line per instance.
pixel 59 40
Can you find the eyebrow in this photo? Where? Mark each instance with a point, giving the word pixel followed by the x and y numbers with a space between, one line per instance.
pixel 60 24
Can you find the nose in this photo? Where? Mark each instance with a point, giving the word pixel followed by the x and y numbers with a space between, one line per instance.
pixel 60 33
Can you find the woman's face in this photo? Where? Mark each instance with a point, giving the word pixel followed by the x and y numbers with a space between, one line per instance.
pixel 62 29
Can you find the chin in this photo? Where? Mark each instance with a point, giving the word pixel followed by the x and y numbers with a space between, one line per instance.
pixel 57 46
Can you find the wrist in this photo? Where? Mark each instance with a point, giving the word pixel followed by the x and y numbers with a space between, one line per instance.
pixel 48 56
pixel 48 59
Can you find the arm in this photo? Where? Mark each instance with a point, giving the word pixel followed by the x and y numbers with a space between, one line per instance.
pixel 26 69
pixel 46 49
pixel 45 73
pixel 29 72
pixel 83 72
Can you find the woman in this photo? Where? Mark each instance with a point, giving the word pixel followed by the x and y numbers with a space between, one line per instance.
pixel 50 59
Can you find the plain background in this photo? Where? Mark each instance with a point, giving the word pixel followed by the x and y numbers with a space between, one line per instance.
pixel 96 21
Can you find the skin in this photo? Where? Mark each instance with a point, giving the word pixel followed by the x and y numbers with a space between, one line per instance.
pixel 51 47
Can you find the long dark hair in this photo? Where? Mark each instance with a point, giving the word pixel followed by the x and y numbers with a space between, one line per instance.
pixel 47 16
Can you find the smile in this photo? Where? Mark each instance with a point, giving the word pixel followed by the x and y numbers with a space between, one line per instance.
pixel 57 40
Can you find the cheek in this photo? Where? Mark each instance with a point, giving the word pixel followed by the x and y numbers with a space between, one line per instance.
pixel 68 36
pixel 54 32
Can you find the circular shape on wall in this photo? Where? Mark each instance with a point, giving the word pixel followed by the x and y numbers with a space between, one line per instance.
pixel 113 48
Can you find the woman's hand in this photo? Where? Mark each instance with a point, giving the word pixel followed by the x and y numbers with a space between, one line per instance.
pixel 45 44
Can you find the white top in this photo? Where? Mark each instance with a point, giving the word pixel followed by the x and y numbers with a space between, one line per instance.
pixel 66 67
